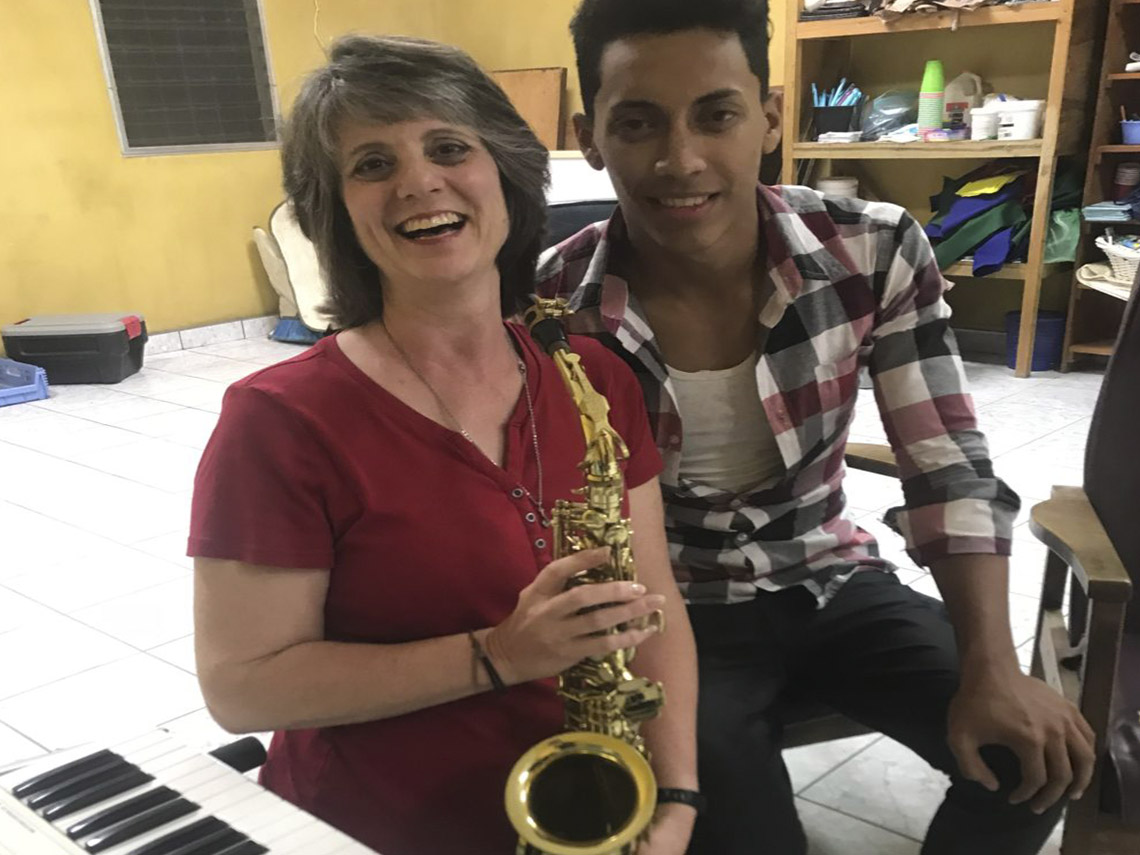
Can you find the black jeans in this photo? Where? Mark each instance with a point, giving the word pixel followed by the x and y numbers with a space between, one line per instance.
pixel 880 653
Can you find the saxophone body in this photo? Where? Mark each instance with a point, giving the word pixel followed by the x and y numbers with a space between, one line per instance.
pixel 589 790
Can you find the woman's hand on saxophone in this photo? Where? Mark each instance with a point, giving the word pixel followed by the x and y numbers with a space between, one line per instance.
pixel 554 627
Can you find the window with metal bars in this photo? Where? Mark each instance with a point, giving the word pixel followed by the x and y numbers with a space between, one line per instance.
pixel 187 75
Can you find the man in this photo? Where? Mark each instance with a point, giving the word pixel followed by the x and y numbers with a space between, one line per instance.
pixel 747 313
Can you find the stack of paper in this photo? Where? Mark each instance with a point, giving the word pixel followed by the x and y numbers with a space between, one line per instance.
pixel 1107 212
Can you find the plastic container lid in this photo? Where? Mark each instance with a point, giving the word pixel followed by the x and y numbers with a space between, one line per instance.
pixel 838 185
pixel 1019 106
pixel 45 325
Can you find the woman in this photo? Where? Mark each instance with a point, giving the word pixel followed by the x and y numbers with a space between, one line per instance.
pixel 370 516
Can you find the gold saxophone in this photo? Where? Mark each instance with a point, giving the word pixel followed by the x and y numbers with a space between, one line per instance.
pixel 590 790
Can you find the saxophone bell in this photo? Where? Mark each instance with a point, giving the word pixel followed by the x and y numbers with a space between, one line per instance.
pixel 581 793
pixel 589 790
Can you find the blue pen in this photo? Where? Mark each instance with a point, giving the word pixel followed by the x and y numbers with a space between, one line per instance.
pixel 814 96
pixel 839 88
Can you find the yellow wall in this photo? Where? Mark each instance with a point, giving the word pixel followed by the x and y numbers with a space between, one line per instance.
pixel 503 34
pixel 85 229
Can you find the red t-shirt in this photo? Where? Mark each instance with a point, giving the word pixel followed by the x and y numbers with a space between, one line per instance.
pixel 314 465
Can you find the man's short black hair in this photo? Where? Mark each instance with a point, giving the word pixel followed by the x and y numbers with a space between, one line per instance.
pixel 597 23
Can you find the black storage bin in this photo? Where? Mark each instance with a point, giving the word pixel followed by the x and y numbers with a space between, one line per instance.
pixel 832 119
pixel 103 348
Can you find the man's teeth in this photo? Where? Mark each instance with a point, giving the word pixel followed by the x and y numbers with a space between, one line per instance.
pixel 419 224
pixel 685 202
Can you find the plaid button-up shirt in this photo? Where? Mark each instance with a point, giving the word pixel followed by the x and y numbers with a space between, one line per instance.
pixel 855 283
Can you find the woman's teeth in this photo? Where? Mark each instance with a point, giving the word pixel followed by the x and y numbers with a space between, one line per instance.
pixel 685 202
pixel 409 228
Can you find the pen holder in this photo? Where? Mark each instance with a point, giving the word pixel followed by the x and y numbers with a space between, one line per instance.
pixel 829 119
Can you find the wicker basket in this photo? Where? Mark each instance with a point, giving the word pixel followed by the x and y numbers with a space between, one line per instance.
pixel 1124 261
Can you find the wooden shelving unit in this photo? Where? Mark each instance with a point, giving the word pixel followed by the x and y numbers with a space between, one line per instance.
pixel 1103 347
pixel 1095 312
pixel 1009 271
pixel 1074 32
pixel 1115 148
pixel 963 149
pixel 985 17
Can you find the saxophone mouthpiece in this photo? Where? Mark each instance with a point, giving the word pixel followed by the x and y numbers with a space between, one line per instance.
pixel 542 319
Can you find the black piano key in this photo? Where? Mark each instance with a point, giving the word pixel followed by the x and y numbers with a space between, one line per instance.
pixel 49 779
pixel 121 832
pixel 195 831
pixel 78 783
pixel 245 754
pixel 99 793
pixel 217 842
pixel 247 847
pixel 123 810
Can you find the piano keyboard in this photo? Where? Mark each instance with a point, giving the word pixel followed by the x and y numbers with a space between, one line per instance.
pixel 152 796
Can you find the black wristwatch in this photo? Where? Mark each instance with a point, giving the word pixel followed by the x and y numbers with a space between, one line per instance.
pixel 685 797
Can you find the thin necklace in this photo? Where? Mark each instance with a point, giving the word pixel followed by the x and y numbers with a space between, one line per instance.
pixel 458 426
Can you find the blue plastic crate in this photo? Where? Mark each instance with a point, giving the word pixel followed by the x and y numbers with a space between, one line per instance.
pixel 20 383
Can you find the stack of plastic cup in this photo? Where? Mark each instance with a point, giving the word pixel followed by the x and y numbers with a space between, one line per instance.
pixel 931 98
pixel 1127 177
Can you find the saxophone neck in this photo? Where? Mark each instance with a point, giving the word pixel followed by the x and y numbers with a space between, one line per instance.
pixel 603 443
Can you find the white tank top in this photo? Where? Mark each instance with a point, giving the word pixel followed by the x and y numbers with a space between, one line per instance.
pixel 727 441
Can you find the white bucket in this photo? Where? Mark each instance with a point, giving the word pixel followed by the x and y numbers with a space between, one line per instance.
pixel 1020 120
pixel 983 124
pixel 838 185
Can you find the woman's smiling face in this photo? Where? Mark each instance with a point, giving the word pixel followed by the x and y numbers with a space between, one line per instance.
pixel 425 199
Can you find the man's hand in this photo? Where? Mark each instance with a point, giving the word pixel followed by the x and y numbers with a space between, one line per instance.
pixel 1047 733
pixel 670 830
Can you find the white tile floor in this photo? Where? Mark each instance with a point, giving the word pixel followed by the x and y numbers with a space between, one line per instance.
pixel 95 626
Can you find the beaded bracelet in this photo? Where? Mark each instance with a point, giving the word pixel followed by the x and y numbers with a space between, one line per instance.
pixel 488 666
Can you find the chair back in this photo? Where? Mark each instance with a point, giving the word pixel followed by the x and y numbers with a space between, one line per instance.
pixel 564 219
pixel 1112 483
pixel 309 289
pixel 1112 458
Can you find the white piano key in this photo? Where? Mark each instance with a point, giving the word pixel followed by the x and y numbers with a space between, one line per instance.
pixel 341 844
pixel 259 808
pixel 202 794
pixel 353 847
pixel 218 790
pixel 204 789
pixel 193 773
pixel 154 834
pixel 67 821
pixel 180 765
pixel 170 759
pixel 56 759
pixel 142 743
pixel 307 840
pixel 159 755
pixel 280 830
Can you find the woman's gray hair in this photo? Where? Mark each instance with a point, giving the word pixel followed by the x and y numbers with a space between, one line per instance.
pixel 394 79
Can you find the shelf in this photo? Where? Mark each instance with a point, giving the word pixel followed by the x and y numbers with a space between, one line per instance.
pixel 1099 348
pixel 1120 292
pixel 1125 75
pixel 986 17
pixel 961 149
pixel 1008 271
pixel 1115 149
pixel 1127 224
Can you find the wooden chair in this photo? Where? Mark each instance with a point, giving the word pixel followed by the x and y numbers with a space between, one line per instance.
pixel 1093 656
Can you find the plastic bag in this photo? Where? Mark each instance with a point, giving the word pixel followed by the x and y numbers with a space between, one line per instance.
pixel 1064 232
pixel 889 112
